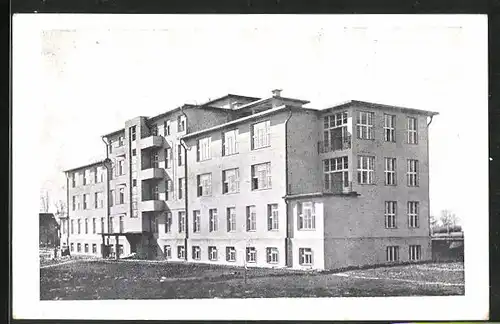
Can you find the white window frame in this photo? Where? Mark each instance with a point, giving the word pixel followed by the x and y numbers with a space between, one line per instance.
pixel 389 128
pixel 261 135
pixel 230 142
pixel 196 253
pixel 204 149
pixel 231 181
pixel 121 195
pixel 86 201
pixel 390 214
pixel 86 225
pixel 272 217
pixel 230 254
pixel 168 158
pixel 331 124
pixel 334 166
pixel 167 251
pixel 181 188
pixel 181 221
pixel 251 254
pixel 204 185
pixel 94 225
pixel 169 188
pixel 212 253
pixel 181 252
pixel 251 218
pixel 413 211
pixel 306 216
pixel 390 171
pixel 415 252
pixel 366 169
pixel 261 176
pixel 364 125
pixel 412 173
pixel 180 155
pixel 167 127
pixel 155 159
pixel 181 123
pixel 196 221
pixel 168 222
pixel 412 130
pixel 213 220
pixel 272 255
pixel 231 219
pixel 392 253
pixel 306 256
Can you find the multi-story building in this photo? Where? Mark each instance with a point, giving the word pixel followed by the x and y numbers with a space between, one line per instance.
pixel 268 182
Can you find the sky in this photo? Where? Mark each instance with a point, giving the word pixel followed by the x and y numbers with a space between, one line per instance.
pixel 95 78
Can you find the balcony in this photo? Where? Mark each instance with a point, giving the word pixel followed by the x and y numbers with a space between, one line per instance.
pixel 151 141
pixel 339 188
pixel 152 173
pixel 337 144
pixel 152 205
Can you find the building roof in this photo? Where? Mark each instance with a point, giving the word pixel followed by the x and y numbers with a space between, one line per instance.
pixel 92 163
pixel 381 106
pixel 229 95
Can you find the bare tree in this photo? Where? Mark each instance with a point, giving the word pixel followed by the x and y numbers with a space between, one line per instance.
pixel 448 219
pixel 433 222
pixel 60 206
pixel 44 201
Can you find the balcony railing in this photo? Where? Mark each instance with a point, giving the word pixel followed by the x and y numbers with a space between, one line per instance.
pixel 151 141
pixel 338 187
pixel 152 205
pixel 152 173
pixel 337 144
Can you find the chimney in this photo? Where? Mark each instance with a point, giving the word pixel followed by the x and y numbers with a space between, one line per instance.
pixel 277 93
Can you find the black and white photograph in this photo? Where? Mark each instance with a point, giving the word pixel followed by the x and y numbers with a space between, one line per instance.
pixel 250 167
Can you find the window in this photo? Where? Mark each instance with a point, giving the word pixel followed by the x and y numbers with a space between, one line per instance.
pixel 100 174
pixel 73 202
pixel 364 125
pixel 251 218
pixel 335 134
pixel 168 158
pixel 94 226
pixel 196 221
pixel 389 128
pixel 261 176
pixel 155 159
pixel 231 181
pixel 231 254
pixel 166 125
pixel 392 253
pixel 73 180
pixel 181 123
pixel 213 220
pixel 72 247
pixel 181 188
pixel 111 197
pixel 272 255
pixel 110 225
pixel 132 131
pixel 99 199
pixel 169 188
pixel 336 173
pixel 86 201
pixel 121 224
pixel 390 171
pixel 121 192
pixel 79 226
pixel 86 248
pixel 180 155
pixel 413 214
pixel 414 252
pixel 306 216
pixel 305 256
pixel 121 167
pixel 231 219
pixel 412 130
pixel 167 251
pixel 72 229
pixel 390 214
pixel 182 221
pixel 102 224
pixel 261 135
pixel 153 224
pixel 180 252
pixel 365 169
pixel 78 247
pixel 203 149
pixel 78 203
pixel 63 225
pixel 168 222
pixel 154 130
pixel 412 173
pixel 121 140
pixel 272 217
pixel 204 184
pixel 86 177
pixel 251 254
pixel 120 249
pixel 196 253
pixel 134 182
pixel 86 225
pixel 94 248
pixel 212 253
pixel 155 191
pixel 230 142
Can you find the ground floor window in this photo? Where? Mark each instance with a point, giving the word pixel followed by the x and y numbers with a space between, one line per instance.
pixel 94 248
pixel 212 253
pixel 251 254
pixel 72 247
pixel 120 250
pixel 272 255
pixel 196 253
pixel 230 253
pixel 414 252
pixel 392 253
pixel 180 252
pixel 167 252
pixel 86 248
pixel 78 247
pixel 305 256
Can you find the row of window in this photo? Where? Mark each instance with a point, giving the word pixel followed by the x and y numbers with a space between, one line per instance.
pixel 86 225
pixel 412 213
pixel 85 203
pixel 88 176
pixel 365 125
pixel 86 247
pixel 414 253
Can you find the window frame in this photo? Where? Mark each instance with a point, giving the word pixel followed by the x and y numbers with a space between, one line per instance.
pixel 390 214
pixel 251 218
pixel 367 127
pixel 304 255
pixel 270 253
pixel 204 187
pixel 306 222
pixel 230 147
pixel 231 219
pixel 361 170
pixel 227 184
pixel 389 128
pixel 196 221
pixel 260 136
pixel 211 254
pixel 392 253
pixel 230 251
pixel 251 251
pixel 413 208
pixel 414 252
pixel 412 134
pixel 213 220
pixel 204 149
pixel 388 173
pixel 255 176
pixel 272 217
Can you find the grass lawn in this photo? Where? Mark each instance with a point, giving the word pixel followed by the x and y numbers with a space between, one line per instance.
pixel 97 279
